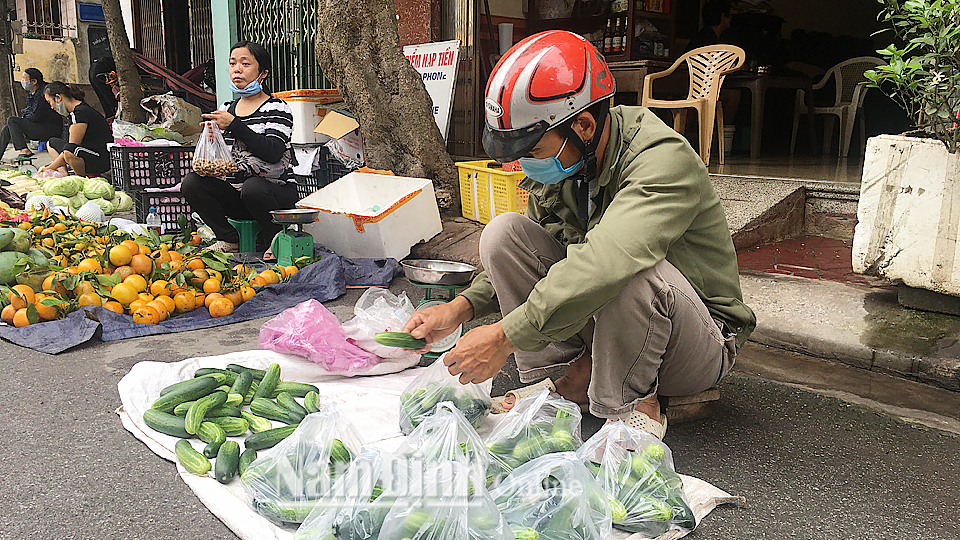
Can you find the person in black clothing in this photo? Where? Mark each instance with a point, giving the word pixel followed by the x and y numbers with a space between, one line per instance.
pixel 258 127
pixel 86 150
pixel 37 121
pixel 99 69
pixel 716 25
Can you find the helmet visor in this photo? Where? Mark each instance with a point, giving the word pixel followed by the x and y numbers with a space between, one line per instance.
pixel 509 145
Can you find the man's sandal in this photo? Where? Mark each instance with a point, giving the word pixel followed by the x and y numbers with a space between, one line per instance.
pixel 520 393
pixel 639 420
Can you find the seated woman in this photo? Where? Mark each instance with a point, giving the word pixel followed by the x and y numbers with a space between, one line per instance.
pixel 85 151
pixel 259 127
pixel 37 122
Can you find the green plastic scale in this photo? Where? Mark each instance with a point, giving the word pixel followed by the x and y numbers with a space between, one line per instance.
pixel 291 243
pixel 434 277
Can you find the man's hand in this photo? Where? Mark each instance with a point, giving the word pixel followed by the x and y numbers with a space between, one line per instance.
pixel 437 322
pixel 479 354
pixel 222 118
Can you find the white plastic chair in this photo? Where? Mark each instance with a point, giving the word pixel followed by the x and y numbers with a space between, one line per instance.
pixel 847 106
pixel 707 67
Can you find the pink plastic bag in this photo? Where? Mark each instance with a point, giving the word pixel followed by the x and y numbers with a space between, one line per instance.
pixel 308 329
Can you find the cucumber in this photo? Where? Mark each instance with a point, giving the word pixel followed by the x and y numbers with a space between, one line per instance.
pixel 256 373
pixel 233 400
pixel 401 340
pixel 223 410
pixel 175 387
pixel 191 460
pixel 211 433
pixel 257 424
pixel 268 438
pixel 339 452
pixel 295 389
pixel 248 397
pixel 228 458
pixel 229 376
pixel 269 409
pixel 189 391
pixel 199 409
pixel 165 423
pixel 211 449
pixel 248 456
pixel 311 402
pixel 223 388
pixel 232 427
pixel 287 401
pixel 269 382
pixel 242 383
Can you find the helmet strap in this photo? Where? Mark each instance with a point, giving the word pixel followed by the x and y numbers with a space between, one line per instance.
pixel 589 152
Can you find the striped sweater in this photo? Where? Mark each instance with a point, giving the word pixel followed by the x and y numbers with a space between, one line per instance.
pixel 260 141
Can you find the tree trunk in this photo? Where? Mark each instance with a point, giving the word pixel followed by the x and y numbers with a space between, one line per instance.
pixel 129 78
pixel 358 48
pixel 8 105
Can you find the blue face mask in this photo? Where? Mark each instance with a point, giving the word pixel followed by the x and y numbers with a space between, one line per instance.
pixel 251 89
pixel 549 170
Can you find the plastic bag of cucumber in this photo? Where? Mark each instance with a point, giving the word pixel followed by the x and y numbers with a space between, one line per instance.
pixel 436 384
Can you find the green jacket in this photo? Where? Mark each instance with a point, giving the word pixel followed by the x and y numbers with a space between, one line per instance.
pixel 654 200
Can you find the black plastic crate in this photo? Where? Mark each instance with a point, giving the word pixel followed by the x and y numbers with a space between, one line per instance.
pixel 170 206
pixel 335 169
pixel 308 184
pixel 330 170
pixel 136 168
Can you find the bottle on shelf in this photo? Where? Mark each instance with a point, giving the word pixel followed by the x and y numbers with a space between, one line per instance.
pixel 615 47
pixel 608 38
pixel 624 43
pixel 153 221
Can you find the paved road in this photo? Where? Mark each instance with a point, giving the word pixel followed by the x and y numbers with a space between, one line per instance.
pixel 811 466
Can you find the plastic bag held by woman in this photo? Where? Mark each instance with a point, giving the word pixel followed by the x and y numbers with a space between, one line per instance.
pixel 310 330
pixel 538 424
pixel 636 472
pixel 554 497
pixel 211 156
pixel 379 310
pixel 358 502
pixel 288 480
pixel 420 398
pixel 449 503
pixel 446 436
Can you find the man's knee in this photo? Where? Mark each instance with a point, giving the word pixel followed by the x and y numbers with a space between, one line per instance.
pixel 502 229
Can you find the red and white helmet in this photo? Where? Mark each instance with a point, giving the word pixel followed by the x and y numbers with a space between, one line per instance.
pixel 538 84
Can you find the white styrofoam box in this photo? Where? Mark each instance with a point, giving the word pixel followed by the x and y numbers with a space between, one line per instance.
pixel 308 107
pixel 373 215
pixel 909 214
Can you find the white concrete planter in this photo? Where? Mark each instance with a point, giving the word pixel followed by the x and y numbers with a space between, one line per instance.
pixel 909 214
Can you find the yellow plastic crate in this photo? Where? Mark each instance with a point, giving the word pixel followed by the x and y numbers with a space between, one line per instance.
pixel 486 192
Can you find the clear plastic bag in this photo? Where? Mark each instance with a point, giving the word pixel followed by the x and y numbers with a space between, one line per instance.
pixel 356 505
pixel 554 497
pixel 536 425
pixel 288 480
pixel 419 400
pixel 211 157
pixel 310 330
pixel 636 471
pixel 379 310
pixel 446 502
pixel 446 436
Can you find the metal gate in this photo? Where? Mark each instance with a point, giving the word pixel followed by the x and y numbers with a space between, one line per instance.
pixel 148 30
pixel 288 30
pixel 201 32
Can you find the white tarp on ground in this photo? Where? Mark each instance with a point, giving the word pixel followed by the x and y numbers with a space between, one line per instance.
pixel 371 403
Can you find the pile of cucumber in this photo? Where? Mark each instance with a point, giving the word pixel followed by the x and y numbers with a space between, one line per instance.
pixel 422 402
pixel 511 449
pixel 210 407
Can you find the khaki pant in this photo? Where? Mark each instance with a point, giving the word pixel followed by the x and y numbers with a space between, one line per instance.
pixel 655 336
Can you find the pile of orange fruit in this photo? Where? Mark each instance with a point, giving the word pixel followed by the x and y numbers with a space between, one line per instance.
pixel 152 284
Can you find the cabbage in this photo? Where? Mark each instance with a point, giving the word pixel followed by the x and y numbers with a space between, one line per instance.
pixel 60 201
pixel 64 187
pixel 106 206
pixel 91 211
pixel 77 200
pixel 97 188
pixel 123 201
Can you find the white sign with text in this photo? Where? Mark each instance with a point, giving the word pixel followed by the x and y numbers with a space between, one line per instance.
pixel 437 64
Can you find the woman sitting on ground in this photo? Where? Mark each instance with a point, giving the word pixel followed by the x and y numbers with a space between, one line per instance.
pixel 37 122
pixel 85 151
pixel 259 127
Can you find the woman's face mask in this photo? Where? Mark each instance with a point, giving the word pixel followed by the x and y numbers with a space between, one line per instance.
pixel 251 89
pixel 549 170
pixel 61 108
pixel 28 85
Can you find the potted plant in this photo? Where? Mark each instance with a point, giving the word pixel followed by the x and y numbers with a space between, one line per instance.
pixel 909 208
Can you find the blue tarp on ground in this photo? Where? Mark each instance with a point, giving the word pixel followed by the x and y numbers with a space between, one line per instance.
pixel 323 280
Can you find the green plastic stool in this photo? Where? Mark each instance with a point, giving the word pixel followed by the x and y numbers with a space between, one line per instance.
pixel 248 230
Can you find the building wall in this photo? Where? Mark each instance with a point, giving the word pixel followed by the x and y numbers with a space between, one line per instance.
pixel 413 21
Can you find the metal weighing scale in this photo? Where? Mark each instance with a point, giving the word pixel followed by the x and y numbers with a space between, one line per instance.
pixel 291 243
pixel 434 277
